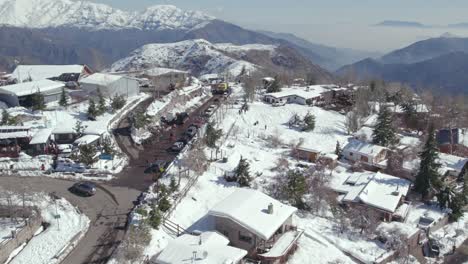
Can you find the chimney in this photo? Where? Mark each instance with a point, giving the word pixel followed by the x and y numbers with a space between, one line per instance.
pixel 270 208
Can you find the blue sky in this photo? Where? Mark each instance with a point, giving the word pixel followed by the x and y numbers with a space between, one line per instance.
pixel 330 21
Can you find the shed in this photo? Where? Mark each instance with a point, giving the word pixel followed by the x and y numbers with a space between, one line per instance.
pixel 40 141
pixel 110 85
pixel 308 154
pixel 20 94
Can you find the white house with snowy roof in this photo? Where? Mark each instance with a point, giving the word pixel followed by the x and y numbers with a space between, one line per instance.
pixel 20 94
pixel 208 248
pixel 382 192
pixel 299 95
pixel 255 222
pixel 365 153
pixel 110 85
pixel 53 72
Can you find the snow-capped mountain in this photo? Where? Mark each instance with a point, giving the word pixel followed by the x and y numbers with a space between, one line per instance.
pixel 198 56
pixel 83 14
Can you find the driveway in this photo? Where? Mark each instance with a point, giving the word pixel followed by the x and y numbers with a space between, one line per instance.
pixel 107 211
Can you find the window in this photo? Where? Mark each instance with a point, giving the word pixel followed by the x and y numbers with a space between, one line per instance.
pixel 351 154
pixel 245 237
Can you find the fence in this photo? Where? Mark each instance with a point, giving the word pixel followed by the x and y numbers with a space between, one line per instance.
pixel 32 224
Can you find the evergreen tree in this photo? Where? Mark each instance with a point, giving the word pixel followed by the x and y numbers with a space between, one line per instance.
pixel 212 135
pixel 173 184
pixel 274 86
pixel 296 188
pixel 5 117
pixel 107 147
pixel 92 111
pixel 102 108
pixel 118 102
pixel 63 98
pixel 456 205
pixel 428 176
pixel 155 218
pixel 384 133
pixel 309 122
pixel 87 154
pixel 338 149
pixel 140 120
pixel 164 204
pixel 243 173
pixel 38 101
pixel 79 128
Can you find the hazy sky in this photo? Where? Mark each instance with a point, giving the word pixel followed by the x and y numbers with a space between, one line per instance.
pixel 342 23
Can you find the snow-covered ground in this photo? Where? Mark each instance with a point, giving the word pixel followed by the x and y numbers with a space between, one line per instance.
pixel 7 225
pixel 66 222
pixel 65 120
pixel 453 234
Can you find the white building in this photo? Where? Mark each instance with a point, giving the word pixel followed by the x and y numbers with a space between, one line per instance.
pixel 110 85
pixel 42 72
pixel 21 93
pixel 298 95
pixel 206 248
pixel 366 153
pixel 380 191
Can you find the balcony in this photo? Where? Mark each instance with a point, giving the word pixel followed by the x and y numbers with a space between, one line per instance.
pixel 280 246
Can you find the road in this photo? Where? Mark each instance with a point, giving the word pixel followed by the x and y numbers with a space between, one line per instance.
pixel 107 211
pixel 152 150
pixel 460 256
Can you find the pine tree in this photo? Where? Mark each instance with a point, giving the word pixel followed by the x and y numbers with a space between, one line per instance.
pixel 274 86
pixel 118 102
pixel 296 188
pixel 212 135
pixel 92 111
pixel 173 184
pixel 38 101
pixel 63 98
pixel 102 108
pixel 79 128
pixel 309 122
pixel 155 218
pixel 107 147
pixel 384 133
pixel 5 117
pixel 428 176
pixel 140 120
pixel 338 149
pixel 456 205
pixel 242 173
pixel 87 154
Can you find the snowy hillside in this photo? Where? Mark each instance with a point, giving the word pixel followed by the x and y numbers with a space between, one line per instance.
pixel 57 13
pixel 197 56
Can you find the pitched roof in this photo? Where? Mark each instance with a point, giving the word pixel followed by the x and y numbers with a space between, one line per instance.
pixel 101 79
pixel 41 136
pixel 41 72
pixel 304 92
pixel 363 147
pixel 249 208
pixel 28 88
pixel 208 248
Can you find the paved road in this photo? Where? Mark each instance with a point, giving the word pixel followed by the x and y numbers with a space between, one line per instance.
pixel 152 150
pixel 460 256
pixel 106 210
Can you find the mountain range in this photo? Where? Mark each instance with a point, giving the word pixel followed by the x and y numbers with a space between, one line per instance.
pixel 439 64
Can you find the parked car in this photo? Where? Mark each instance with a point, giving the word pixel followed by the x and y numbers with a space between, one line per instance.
pixel 84 188
pixel 156 167
pixel 191 131
pixel 177 147
pixel 181 118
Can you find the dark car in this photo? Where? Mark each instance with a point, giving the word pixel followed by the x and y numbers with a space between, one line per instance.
pixel 177 147
pixel 156 167
pixel 84 188
pixel 191 131
pixel 181 118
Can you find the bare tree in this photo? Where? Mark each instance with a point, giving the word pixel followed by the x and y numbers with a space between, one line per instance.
pixel 352 122
pixel 138 237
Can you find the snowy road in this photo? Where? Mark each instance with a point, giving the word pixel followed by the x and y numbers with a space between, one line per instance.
pixel 107 211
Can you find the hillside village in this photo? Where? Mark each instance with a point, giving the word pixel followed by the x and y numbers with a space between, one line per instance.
pixel 260 170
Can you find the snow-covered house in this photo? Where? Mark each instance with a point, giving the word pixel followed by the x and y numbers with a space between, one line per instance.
pixel 40 142
pixel 310 95
pixel 378 191
pixel 110 85
pixel 451 166
pixel 207 248
pixel 255 222
pixel 365 153
pixel 13 139
pixel 64 73
pixel 20 94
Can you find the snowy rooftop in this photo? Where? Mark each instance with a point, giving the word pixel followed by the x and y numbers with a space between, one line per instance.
pixel 363 147
pixel 28 88
pixel 451 162
pixel 375 189
pixel 371 121
pixel 41 72
pixel 157 71
pixel 87 139
pixel 304 92
pixel 364 134
pixel 101 79
pixel 208 248
pixel 249 208
pixel 41 136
